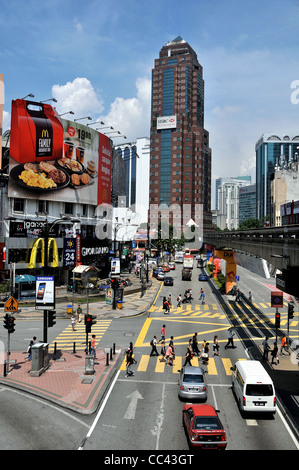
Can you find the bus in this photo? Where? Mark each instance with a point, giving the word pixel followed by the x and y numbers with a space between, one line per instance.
pixel 179 257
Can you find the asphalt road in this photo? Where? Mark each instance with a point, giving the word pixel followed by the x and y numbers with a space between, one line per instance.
pixel 144 412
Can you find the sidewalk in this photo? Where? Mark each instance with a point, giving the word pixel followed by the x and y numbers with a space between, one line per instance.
pixel 65 382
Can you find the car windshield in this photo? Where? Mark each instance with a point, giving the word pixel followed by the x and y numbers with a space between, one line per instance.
pixel 259 390
pixel 208 423
pixel 191 378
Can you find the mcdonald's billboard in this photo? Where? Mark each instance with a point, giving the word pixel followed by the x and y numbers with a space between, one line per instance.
pixel 39 246
pixel 55 159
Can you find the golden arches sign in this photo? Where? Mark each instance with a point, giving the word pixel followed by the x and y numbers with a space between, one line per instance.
pixel 40 243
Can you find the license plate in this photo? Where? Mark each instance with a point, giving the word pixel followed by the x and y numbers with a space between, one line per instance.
pixel 193 389
pixel 259 403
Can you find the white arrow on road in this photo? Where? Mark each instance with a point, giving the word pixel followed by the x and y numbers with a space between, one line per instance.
pixel 131 410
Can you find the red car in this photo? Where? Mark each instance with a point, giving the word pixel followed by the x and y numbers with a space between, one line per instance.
pixel 203 427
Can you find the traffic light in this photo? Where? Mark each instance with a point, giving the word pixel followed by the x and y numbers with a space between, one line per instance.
pixel 6 321
pixel 89 321
pixel 9 323
pixel 290 311
pixel 277 320
pixel 51 318
pixel 114 283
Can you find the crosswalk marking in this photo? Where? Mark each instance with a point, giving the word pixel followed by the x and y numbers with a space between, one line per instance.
pixel 66 339
pixel 147 363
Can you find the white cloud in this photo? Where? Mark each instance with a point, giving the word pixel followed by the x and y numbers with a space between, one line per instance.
pixel 6 121
pixel 78 96
pixel 132 116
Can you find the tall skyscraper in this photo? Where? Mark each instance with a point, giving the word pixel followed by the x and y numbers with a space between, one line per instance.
pixel 180 161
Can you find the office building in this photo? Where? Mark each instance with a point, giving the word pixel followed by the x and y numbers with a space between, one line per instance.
pixel 247 197
pixel 270 151
pixel 180 156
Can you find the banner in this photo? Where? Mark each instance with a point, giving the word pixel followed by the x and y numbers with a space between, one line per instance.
pixel 105 170
pixel 1 114
pixel 40 244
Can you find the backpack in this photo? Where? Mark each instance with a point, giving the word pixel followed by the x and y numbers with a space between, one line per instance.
pixel 152 343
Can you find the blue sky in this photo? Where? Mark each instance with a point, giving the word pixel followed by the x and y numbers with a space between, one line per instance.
pixel 96 58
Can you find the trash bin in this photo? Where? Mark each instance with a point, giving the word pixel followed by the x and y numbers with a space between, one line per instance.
pixel 89 364
pixel 69 309
pixel 119 305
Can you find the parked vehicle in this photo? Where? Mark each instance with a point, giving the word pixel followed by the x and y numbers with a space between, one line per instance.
pixel 203 427
pixel 161 275
pixel 202 277
pixel 253 387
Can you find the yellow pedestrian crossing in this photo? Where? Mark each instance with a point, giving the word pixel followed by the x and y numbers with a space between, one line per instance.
pixel 147 363
pixel 66 339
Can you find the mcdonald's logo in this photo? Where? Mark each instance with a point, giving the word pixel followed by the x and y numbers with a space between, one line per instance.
pixel 40 244
pixel 45 134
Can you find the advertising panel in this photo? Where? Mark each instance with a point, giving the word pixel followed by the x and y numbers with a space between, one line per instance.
pixel 57 159
pixel 166 122
pixel 45 293
pixel 1 114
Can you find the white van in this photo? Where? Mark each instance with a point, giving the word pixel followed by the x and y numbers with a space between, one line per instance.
pixel 253 387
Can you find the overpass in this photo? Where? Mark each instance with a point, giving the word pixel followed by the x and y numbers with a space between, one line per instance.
pixel 277 245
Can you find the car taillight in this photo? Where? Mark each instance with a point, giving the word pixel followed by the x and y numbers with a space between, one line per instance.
pixel 274 401
pixel 244 401
pixel 223 437
pixel 182 387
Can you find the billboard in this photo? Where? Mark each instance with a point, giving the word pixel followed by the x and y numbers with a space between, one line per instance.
pixel 57 159
pixel 1 114
pixel 166 122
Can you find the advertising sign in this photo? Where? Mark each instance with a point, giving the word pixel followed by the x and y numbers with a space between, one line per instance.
pixel 57 159
pixel 45 293
pixel 166 122
pixel 69 252
pixel 277 299
pixel 1 113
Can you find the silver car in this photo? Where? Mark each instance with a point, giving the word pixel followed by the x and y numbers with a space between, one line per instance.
pixel 192 383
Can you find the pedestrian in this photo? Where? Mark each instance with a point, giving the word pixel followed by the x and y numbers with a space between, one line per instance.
pixel 166 307
pixel 179 300
pixel 284 345
pixel 171 344
pixel 162 334
pixel 274 354
pixel 169 356
pixel 203 295
pixel 93 345
pixel 129 360
pixel 163 352
pixel 195 345
pixel 250 296
pixel 230 339
pixel 169 301
pixel 153 344
pixel 29 349
pixel 238 295
pixel 266 348
pixel 205 354
pixel 189 354
pixel 216 346
pixel 79 313
pixel 73 322
pixel 200 295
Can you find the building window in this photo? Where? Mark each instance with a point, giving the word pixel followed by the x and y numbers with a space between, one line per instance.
pixel 18 205
pixel 42 207
pixel 69 208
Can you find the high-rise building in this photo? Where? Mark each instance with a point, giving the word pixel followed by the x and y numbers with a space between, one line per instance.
pixel 270 151
pixel 180 156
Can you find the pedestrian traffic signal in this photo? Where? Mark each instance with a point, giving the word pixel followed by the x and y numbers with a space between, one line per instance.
pixel 277 320
pixel 51 318
pixel 89 321
pixel 9 323
pixel 290 311
pixel 114 284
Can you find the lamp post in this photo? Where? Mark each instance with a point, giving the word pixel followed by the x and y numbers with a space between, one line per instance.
pixel 47 229
pixel 86 117
pixel 96 122
pixel 67 112
pixel 31 95
pixel 50 99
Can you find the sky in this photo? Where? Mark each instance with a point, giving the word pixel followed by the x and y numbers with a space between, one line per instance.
pixel 96 59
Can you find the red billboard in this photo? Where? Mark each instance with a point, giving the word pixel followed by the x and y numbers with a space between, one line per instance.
pixel 56 159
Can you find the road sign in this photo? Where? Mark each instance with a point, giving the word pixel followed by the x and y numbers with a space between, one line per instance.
pixel 277 299
pixel 237 278
pixel 11 305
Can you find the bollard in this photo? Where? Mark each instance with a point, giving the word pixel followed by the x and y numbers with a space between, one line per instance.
pixel 55 347
pixel 114 348
pixel 74 347
pixel 107 359
pixel 111 357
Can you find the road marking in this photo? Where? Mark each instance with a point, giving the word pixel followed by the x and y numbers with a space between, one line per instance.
pixel 143 363
pixel 131 410
pixel 251 422
pixel 227 363
pixel 212 367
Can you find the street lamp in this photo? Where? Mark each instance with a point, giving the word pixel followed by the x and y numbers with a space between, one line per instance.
pixel 117 136
pixel 86 117
pixel 108 127
pixel 113 132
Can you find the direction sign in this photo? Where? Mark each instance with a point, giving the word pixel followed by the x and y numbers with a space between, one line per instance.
pixel 11 305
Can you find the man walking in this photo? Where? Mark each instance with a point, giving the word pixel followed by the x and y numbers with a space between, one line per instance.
pixel 230 339
pixel 153 344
